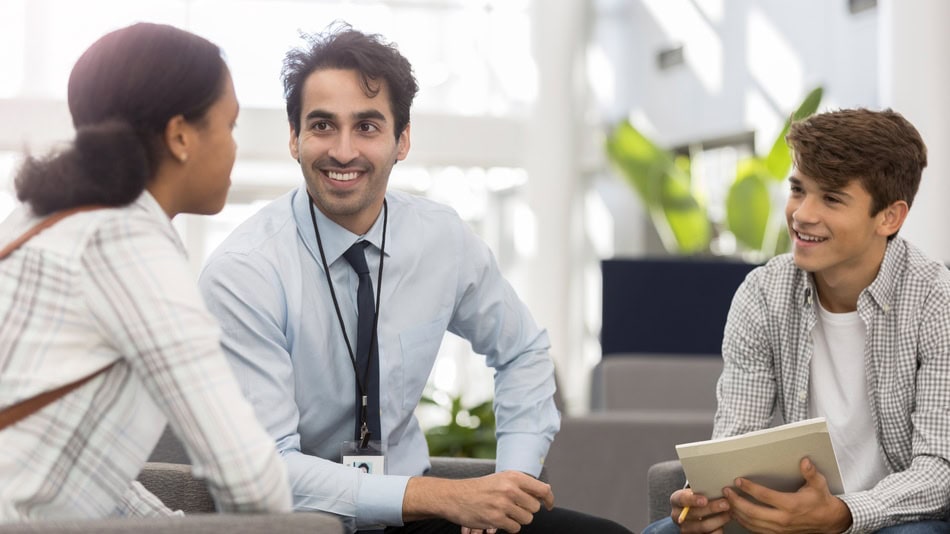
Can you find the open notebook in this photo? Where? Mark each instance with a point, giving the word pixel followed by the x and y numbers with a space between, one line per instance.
pixel 769 457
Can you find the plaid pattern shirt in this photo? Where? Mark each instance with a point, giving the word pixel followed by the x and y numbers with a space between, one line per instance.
pixel 767 348
pixel 104 286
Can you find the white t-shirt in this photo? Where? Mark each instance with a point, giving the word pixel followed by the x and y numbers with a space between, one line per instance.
pixel 838 391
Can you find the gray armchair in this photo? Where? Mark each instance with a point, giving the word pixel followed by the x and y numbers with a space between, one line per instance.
pixel 645 405
pixel 168 476
pixel 202 523
pixel 170 451
pixel 179 490
pixel 663 479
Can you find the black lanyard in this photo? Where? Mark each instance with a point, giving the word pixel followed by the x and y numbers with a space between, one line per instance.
pixel 364 432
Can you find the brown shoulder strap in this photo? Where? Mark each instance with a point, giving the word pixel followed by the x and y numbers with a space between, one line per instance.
pixel 43 225
pixel 27 407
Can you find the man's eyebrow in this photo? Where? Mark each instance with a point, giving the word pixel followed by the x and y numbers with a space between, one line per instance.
pixel 370 114
pixel 320 114
pixel 359 115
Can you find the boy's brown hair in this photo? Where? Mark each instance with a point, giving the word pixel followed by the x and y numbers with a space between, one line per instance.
pixel 879 149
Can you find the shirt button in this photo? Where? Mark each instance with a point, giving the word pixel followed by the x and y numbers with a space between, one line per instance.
pixel 802 395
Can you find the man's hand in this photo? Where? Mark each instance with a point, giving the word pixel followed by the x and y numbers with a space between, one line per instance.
pixel 502 501
pixel 810 509
pixel 703 516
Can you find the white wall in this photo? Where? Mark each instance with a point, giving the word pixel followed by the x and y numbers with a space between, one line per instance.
pixel 743 58
pixel 748 63
pixel 915 80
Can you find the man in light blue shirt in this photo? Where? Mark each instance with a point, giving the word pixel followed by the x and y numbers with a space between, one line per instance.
pixel 290 329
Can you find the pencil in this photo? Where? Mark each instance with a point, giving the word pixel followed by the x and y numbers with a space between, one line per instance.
pixel 683 515
pixel 685 511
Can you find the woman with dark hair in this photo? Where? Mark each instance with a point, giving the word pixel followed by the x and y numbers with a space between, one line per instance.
pixel 104 335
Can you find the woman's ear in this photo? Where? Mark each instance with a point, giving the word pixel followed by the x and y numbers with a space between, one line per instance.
pixel 179 138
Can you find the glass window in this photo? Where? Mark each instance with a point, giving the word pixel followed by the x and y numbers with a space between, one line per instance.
pixel 471 57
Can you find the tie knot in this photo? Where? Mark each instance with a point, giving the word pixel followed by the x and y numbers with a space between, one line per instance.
pixel 355 257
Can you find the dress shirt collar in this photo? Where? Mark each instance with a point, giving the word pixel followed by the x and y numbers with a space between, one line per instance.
pixel 882 288
pixel 336 239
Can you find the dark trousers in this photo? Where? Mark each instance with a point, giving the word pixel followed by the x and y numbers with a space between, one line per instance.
pixel 556 521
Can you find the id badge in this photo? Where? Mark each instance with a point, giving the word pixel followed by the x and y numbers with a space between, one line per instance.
pixel 371 459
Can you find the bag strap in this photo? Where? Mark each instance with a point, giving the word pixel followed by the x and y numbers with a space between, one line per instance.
pixel 27 407
pixel 43 225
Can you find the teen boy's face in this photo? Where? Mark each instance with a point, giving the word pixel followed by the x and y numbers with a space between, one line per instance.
pixel 833 234
pixel 346 146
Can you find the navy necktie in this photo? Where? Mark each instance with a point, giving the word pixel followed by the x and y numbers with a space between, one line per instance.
pixel 367 358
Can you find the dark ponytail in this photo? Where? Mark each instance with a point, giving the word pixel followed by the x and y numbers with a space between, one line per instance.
pixel 123 91
pixel 106 164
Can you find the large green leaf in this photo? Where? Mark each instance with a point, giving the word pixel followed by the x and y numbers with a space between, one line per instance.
pixel 685 215
pixel 663 183
pixel 779 159
pixel 748 204
pixel 643 164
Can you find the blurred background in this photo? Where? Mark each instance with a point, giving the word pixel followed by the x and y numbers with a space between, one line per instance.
pixel 516 103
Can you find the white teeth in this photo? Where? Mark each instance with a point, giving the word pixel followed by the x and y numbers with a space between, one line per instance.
pixel 343 176
pixel 810 238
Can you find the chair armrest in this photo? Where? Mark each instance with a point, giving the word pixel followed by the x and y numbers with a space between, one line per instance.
pixel 446 467
pixel 175 486
pixel 302 523
pixel 662 480
pixel 180 490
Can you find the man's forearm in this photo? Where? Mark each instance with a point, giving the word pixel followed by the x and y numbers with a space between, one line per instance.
pixel 425 498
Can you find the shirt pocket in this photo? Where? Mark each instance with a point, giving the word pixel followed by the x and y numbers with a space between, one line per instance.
pixel 420 345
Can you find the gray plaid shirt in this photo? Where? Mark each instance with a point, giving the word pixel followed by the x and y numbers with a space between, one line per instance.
pixel 104 286
pixel 767 350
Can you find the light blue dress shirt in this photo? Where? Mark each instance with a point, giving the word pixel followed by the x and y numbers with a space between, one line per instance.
pixel 266 286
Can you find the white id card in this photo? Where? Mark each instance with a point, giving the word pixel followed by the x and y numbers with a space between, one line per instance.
pixel 371 459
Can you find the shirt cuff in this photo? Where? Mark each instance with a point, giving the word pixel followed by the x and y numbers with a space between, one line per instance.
pixel 522 452
pixel 379 500
pixel 865 515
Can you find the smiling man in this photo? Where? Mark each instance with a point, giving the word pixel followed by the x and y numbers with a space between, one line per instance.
pixel 333 302
pixel 854 326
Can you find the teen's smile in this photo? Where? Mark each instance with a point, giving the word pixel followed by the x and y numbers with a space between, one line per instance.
pixel 806 239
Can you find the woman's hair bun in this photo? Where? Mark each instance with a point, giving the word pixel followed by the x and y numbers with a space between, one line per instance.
pixel 107 164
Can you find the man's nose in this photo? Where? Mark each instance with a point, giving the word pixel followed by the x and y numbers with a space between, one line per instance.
pixel 343 148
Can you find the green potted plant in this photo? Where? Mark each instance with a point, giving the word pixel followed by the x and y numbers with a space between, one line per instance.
pixel 662 180
pixel 470 432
